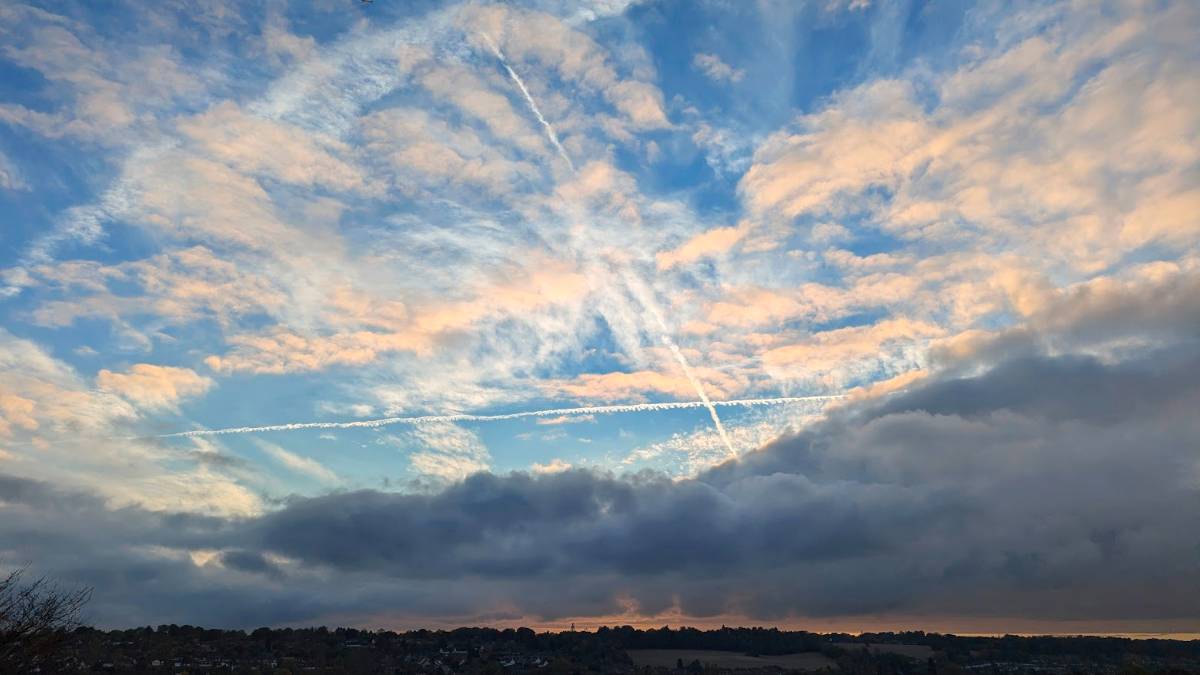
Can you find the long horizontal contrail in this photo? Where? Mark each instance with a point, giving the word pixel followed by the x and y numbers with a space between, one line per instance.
pixel 465 417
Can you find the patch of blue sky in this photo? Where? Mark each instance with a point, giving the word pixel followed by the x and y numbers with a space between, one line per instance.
pixel 59 342
pixel 1149 253
pixel 27 85
pixel 326 24
pixel 245 399
pixel 603 442
pixel 869 241
pixel 860 318
pixel 798 57
pixel 599 353
pixel 57 174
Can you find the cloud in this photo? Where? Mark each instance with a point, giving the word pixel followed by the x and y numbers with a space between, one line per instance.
pixel 152 387
pixel 617 386
pixel 98 92
pixel 548 284
pixel 16 412
pixel 856 488
pixel 43 394
pixel 447 452
pixel 690 453
pixel 303 465
pixel 1151 304
pixel 710 243
pixel 59 428
pixel 272 148
pixel 283 352
pixel 419 149
pixel 303 280
pixel 716 69
pixel 10 177
pixel 956 168
pixel 551 135
pixel 920 503
pixel 471 94
pixel 555 465
pixel 837 357
pixel 523 35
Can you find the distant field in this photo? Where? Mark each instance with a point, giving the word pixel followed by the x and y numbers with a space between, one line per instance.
pixel 914 651
pixel 720 659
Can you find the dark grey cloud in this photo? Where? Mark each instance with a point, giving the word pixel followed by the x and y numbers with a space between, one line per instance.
pixel 1103 316
pixel 1047 487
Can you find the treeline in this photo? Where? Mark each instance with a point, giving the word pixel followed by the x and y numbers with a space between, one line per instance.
pixel 746 640
pixel 1038 645
pixel 762 641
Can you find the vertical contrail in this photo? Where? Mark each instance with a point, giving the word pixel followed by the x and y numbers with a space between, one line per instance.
pixel 648 302
pixel 699 387
pixel 529 99
pixel 645 299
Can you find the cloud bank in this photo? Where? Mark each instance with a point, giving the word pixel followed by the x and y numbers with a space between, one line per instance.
pixel 1048 487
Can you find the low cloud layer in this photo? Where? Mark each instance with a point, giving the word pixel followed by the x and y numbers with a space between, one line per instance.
pixel 1049 488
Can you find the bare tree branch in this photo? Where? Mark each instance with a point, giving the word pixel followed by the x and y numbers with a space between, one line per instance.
pixel 33 615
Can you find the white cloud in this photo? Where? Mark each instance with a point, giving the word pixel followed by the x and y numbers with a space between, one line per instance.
pixel 154 387
pixel 10 177
pixel 306 466
pixel 76 435
pixel 1008 152
pixel 555 465
pixel 448 452
pixel 716 69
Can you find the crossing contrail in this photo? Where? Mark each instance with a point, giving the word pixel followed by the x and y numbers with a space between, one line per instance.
pixel 646 300
pixel 642 294
pixel 466 417
pixel 699 387
pixel 529 99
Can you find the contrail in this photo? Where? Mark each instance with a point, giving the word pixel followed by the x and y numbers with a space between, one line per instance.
pixel 529 99
pixel 699 387
pixel 646 300
pixel 466 417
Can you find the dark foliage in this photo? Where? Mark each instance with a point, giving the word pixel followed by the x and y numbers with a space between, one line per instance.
pixel 173 648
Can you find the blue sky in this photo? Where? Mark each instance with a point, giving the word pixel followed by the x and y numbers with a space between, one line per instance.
pixel 218 215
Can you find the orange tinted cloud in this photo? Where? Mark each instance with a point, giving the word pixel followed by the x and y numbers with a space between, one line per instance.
pixel 154 387
pixel 706 244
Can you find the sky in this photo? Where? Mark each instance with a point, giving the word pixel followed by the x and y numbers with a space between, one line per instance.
pixel 836 314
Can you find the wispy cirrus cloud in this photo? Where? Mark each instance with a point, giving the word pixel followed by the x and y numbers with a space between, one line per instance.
pixel 304 465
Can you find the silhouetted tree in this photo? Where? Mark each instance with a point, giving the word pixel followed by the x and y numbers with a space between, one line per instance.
pixel 33 615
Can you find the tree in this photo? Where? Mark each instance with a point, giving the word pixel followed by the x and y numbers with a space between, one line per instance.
pixel 33 615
